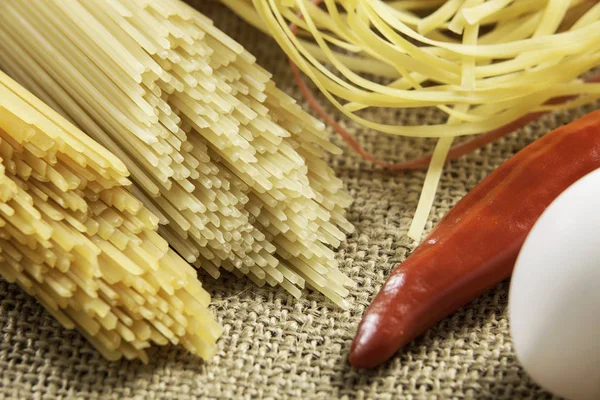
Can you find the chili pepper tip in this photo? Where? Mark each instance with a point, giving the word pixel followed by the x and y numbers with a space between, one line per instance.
pixel 371 346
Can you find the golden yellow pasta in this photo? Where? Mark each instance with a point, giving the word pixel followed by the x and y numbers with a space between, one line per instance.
pixel 231 165
pixel 484 64
pixel 74 237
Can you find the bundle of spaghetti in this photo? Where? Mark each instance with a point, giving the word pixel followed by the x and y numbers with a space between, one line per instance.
pixel 369 55
pixel 76 239
pixel 232 166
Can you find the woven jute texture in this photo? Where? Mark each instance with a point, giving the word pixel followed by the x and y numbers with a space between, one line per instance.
pixel 277 347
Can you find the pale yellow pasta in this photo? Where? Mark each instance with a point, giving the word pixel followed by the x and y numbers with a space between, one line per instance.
pixel 483 63
pixel 75 238
pixel 228 162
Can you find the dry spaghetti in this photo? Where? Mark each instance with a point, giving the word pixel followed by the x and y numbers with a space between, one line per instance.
pixel 526 53
pixel 233 167
pixel 72 236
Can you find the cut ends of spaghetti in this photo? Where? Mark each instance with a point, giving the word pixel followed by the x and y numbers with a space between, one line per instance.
pixel 74 237
pixel 231 165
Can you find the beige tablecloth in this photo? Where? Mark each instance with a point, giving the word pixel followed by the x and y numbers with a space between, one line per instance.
pixel 277 347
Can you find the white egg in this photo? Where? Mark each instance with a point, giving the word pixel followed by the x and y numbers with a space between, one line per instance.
pixel 554 301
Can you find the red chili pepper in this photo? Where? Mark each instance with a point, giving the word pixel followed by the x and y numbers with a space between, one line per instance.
pixel 475 246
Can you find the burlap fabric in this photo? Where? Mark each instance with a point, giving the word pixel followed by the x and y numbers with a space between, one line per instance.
pixel 278 347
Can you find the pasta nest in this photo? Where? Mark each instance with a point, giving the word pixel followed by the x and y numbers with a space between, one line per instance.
pixel 484 64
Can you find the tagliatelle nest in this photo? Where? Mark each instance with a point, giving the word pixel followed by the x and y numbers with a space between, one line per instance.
pixel 486 64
